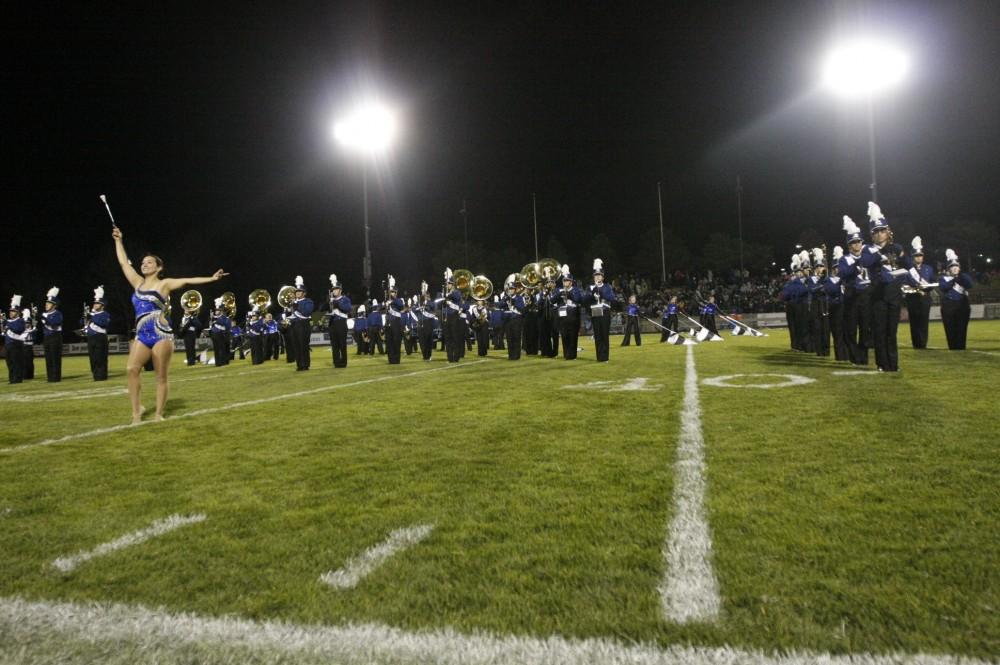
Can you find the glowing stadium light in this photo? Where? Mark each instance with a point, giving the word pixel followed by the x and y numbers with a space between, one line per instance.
pixel 864 67
pixel 371 128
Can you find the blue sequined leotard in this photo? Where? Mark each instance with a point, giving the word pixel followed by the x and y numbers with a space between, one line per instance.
pixel 151 323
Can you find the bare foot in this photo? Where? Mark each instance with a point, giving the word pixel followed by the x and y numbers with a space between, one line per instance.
pixel 158 418
pixel 137 418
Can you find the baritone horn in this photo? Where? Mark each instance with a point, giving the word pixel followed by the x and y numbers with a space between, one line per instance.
pixel 463 281
pixel 260 300
pixel 191 301
pixel 229 304
pixel 286 296
pixel 549 269
pixel 481 288
pixel 531 276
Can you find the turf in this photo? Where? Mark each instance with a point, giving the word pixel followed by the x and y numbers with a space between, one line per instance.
pixel 855 513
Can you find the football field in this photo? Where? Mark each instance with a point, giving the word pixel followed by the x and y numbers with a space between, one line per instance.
pixel 728 502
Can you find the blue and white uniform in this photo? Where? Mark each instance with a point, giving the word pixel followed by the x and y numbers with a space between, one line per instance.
pixel 151 323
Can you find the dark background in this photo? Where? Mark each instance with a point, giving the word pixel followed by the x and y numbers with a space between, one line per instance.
pixel 207 126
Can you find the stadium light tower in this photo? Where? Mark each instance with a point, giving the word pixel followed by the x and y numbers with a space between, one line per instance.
pixel 369 130
pixel 860 69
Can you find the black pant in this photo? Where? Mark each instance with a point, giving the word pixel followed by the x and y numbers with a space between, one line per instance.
pixel 885 322
pixel 918 307
pixel 955 317
pixel 257 349
pixel 857 325
pixel 840 350
pixel 409 341
pixel 454 337
pixel 338 340
pixel 15 360
pixel 569 329
pixel 29 360
pixel 426 338
pixel 602 332
pixel 821 327
pixel 515 328
pixel 393 338
pixel 360 342
pixel 530 345
pixel 632 327
pixel 97 349
pixel 288 335
pixel 53 357
pixel 499 337
pixel 375 340
pixel 220 346
pixel 190 347
pixel 300 331
pixel 482 339
pixel 671 323
pixel 271 346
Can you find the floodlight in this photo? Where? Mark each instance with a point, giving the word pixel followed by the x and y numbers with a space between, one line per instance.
pixel 370 128
pixel 864 67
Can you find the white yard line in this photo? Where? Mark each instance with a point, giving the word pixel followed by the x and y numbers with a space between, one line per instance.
pixel 359 567
pixel 151 635
pixel 986 353
pixel 230 407
pixel 66 564
pixel 689 591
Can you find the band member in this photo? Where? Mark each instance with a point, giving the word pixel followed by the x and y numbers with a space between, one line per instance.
pixel 888 266
pixel 803 306
pixel 834 291
pixel 153 337
pixel 955 309
pixel 548 320
pixel 15 335
pixel 236 338
pixel 632 323
pixel 918 300
pixel 256 331
pixel 568 300
pixel 513 304
pixel 857 296
pixel 599 297
pixel 96 329
pixel 52 320
pixel 340 311
pixel 31 323
pixel 479 313
pixel 272 338
pixel 530 340
pixel 819 305
pixel 361 331
pixel 191 328
pixel 707 317
pixel 669 319
pixel 393 322
pixel 287 334
pixel 790 293
pixel 301 319
pixel 411 325
pixel 496 326
pixel 454 325
pixel 375 329
pixel 220 332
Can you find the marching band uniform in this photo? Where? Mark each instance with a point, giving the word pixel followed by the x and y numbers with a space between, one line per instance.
pixel 834 291
pixel 256 330
pixel 361 331
pixel 548 321
pixel 819 308
pixel 513 322
pixel 288 334
pixel 31 323
pixel 411 321
pixel 16 333
pixel 857 295
pixel 236 342
pixel 803 305
pixel 221 325
pixel 918 304
pixel 191 328
pixel 394 323
pixel 881 260
pixel 496 326
pixel 707 316
pixel 454 324
pixel 632 323
pixel 272 338
pixel 52 320
pixel 789 296
pixel 428 321
pixel 96 329
pixel 599 297
pixel 530 343
pixel 480 313
pixel 301 319
pixel 568 300
pixel 955 309
pixel 375 330
pixel 340 311
pixel 669 317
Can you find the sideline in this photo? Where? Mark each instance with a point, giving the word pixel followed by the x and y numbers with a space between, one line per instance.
pixel 689 591
pixel 230 407
pixel 42 629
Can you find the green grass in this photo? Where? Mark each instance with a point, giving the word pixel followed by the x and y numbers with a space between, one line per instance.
pixel 855 513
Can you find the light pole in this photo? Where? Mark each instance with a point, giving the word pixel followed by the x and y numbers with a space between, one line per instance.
pixel 663 253
pixel 369 130
pixel 861 69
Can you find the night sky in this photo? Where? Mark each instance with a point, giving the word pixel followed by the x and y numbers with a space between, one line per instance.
pixel 207 126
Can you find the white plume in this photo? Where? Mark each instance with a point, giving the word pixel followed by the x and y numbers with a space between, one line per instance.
pixel 447 274
pixel 850 227
pixel 874 211
pixel 564 269
pixel 99 292
pixel 598 264
pixel 804 258
pixel 53 292
pixel 496 299
pixel 950 255
pixel 818 256
pixel 796 261
pixel 15 302
pixel 374 303
pixel 26 313
pixel 218 303
pixel 423 286
pixel 333 279
pixel 838 253
pixel 299 282
pixel 361 309
pixel 392 282
pixel 917 244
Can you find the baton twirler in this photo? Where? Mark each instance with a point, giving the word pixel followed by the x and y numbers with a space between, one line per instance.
pixel 104 200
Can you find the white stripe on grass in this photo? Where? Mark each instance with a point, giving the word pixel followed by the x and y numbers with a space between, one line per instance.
pixel 359 567
pixel 229 407
pixel 153 636
pixel 158 528
pixel 689 591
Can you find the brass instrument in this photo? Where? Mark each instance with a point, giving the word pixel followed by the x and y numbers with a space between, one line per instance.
pixel 549 269
pixel 191 301
pixel 532 274
pixel 286 296
pixel 260 300
pixel 481 288
pixel 229 304
pixel 463 281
